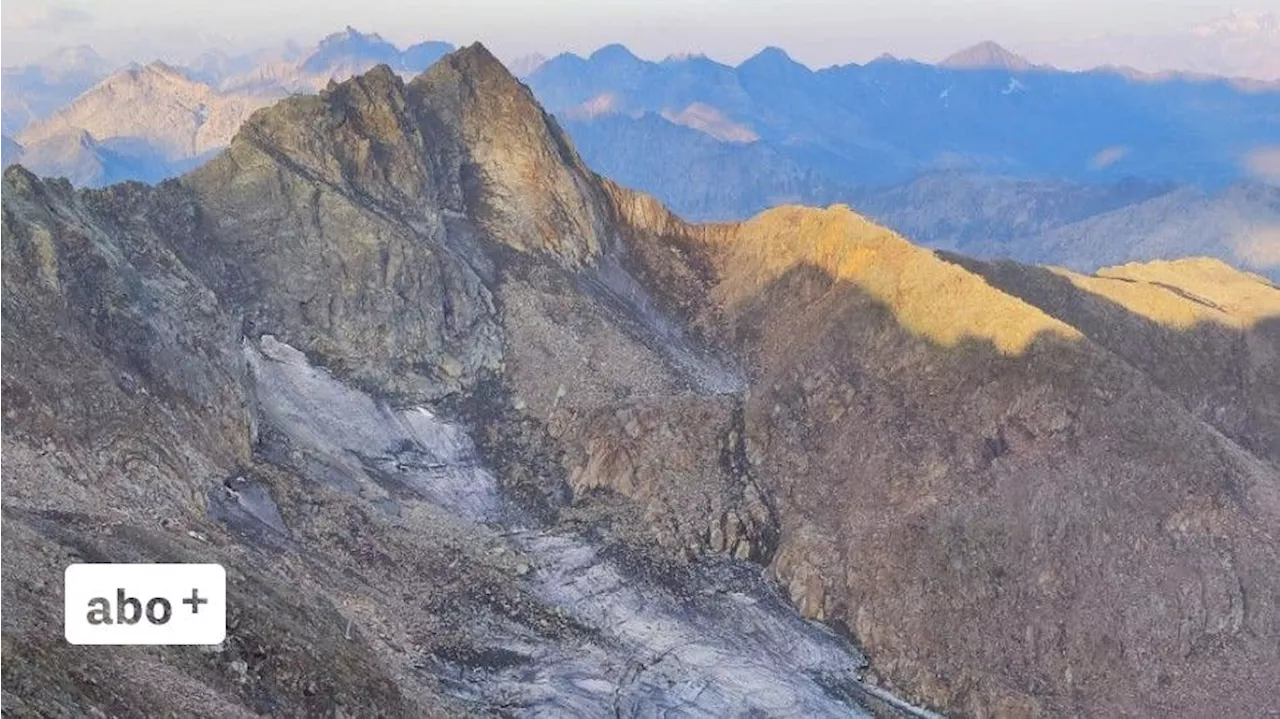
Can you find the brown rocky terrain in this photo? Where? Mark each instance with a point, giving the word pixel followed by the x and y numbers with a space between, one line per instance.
pixel 477 431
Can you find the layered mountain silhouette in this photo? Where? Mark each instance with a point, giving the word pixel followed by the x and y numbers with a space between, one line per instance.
pixel 971 140
pixel 982 110
pixel 336 57
pixel 35 91
pixel 156 121
pixel 908 143
pixel 153 120
pixel 474 429
pixel 1082 226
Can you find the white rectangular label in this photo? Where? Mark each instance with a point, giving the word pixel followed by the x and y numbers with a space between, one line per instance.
pixel 146 604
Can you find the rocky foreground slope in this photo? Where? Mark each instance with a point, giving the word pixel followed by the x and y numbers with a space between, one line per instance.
pixel 475 430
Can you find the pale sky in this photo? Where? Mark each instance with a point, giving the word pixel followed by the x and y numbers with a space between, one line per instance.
pixel 817 32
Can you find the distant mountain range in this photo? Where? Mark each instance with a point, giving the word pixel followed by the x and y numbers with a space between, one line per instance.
pixel 1240 44
pixel 984 152
pixel 1083 226
pixel 154 121
pixel 36 91
pixel 337 57
pixel 985 109
pixel 1074 224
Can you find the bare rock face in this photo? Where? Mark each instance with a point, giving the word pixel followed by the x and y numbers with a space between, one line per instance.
pixel 155 107
pixel 473 428
pixel 523 181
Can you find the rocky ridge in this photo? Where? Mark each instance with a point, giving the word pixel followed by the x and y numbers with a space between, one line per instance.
pixel 991 476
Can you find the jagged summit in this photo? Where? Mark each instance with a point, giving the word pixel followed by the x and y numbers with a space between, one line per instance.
pixel 350 36
pixel 348 46
pixel 465 135
pixel 615 53
pixel 164 69
pixel 474 62
pixel 351 51
pixel 772 60
pixel 986 55
pixel 921 449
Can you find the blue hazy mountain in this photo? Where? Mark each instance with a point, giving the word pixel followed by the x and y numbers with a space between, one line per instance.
pixel 149 122
pixel 984 152
pixel 352 48
pixel 984 110
pixel 35 91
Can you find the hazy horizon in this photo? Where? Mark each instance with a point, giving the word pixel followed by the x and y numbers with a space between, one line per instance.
pixel 815 32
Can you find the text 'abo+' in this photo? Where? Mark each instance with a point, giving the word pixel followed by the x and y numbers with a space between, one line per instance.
pixel 146 604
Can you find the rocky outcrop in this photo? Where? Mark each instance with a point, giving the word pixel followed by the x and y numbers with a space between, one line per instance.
pixel 486 430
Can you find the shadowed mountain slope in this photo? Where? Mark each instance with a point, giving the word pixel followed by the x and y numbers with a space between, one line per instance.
pixel 475 429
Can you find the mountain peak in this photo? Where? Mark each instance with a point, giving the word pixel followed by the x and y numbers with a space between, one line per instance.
pixel 533 191
pixel 773 54
pixel 350 34
pixel 615 53
pixel 465 135
pixel 160 67
pixel 350 44
pixel 986 55
pixel 774 59
pixel 476 64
